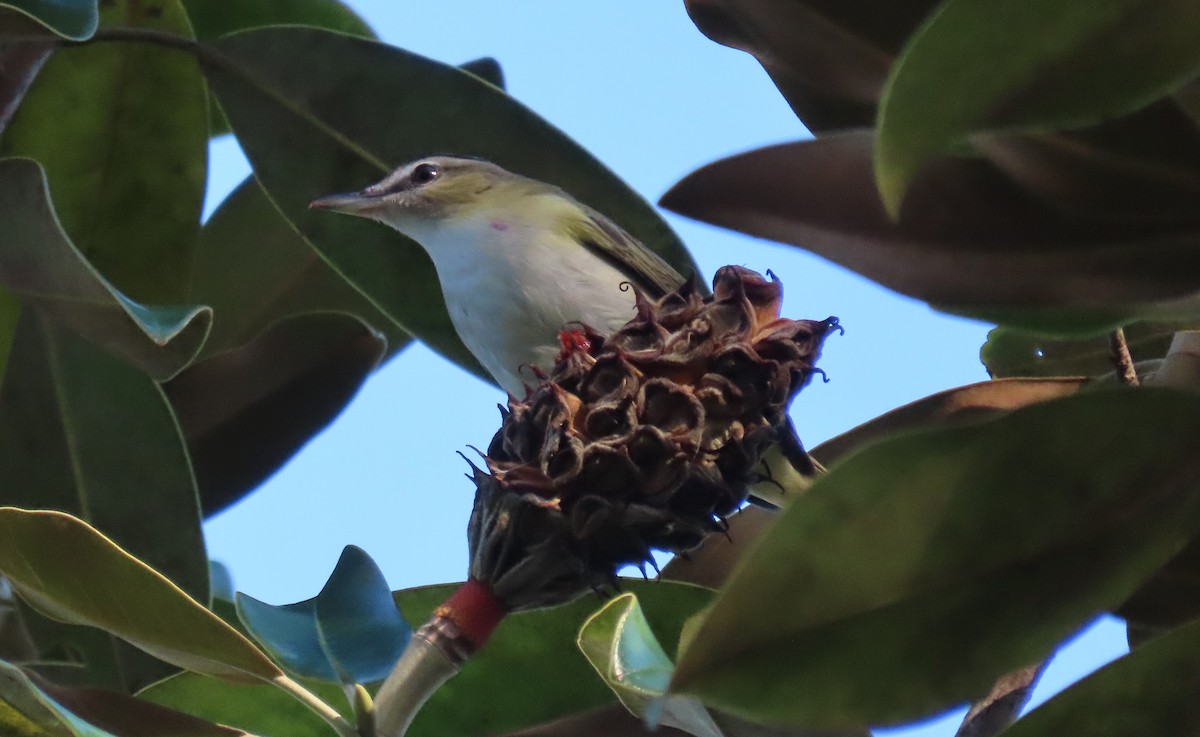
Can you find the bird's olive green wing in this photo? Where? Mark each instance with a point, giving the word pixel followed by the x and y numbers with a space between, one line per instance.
pixel 646 269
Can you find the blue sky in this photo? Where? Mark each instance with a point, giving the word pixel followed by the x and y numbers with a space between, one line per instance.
pixel 639 86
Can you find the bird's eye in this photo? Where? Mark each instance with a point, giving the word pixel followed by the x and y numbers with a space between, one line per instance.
pixel 425 173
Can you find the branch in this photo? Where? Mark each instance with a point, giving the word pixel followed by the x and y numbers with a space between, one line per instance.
pixel 1122 360
pixel 1000 707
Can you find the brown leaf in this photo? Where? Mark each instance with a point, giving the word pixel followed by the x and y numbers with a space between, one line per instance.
pixel 969 240
pixel 828 58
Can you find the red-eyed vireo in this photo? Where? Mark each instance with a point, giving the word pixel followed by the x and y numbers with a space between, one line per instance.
pixel 519 259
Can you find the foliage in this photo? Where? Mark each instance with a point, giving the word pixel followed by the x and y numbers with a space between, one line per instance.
pixel 1033 164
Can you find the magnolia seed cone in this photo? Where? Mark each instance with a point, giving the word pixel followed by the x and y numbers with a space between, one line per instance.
pixel 640 440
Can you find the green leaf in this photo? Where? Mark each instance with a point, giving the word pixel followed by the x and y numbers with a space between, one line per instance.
pixel 254 270
pixel 40 265
pixel 1010 352
pixel 357 109
pixel 83 432
pixel 987 544
pixel 21 62
pixel 962 404
pixel 212 18
pixel 73 19
pixel 485 698
pixel 130 185
pixel 971 242
pixel 829 59
pixel 351 632
pixel 986 65
pixel 10 311
pixel 619 644
pixel 69 571
pixel 1149 691
pixel 487 69
pixel 29 708
pixel 712 564
pixel 245 412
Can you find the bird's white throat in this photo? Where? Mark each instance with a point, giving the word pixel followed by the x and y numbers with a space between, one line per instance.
pixel 511 287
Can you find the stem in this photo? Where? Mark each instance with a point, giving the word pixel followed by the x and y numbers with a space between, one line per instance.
pixel 421 670
pixel 319 707
pixel 1122 360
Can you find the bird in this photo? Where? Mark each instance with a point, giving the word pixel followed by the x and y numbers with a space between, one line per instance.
pixel 519 259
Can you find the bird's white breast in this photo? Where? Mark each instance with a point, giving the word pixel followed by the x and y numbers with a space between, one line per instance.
pixel 511 288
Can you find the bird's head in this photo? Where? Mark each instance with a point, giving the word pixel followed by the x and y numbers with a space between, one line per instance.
pixel 432 190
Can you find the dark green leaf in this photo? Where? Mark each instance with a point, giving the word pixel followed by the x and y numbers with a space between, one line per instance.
pixel 1141 170
pixel 10 312
pixel 244 413
pixel 350 632
pixel 73 19
pixel 970 241
pixel 1170 597
pixel 980 65
pixel 1149 691
pixel 487 69
pixel 254 270
pixel 69 571
pixel 1010 352
pixel 84 433
pixel 357 109
pixel 40 265
pixel 89 712
pixel 961 404
pixel 987 544
pixel 21 63
pixel 130 184
pixel 619 644
pixel 715 560
pixel 830 59
pixel 485 698
pixel 212 18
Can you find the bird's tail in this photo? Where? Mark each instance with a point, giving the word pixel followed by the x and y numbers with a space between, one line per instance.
pixel 787 471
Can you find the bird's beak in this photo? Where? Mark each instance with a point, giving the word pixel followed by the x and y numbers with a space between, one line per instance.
pixel 351 203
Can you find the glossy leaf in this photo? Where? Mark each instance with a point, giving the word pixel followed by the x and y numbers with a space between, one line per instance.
pixel 73 19
pixel 487 69
pixel 962 404
pixel 1149 691
pixel 829 59
pixel 484 698
pixel 83 712
pixel 1140 170
pixel 212 18
pixel 1009 352
pixel 980 65
pixel 82 432
pixel 350 632
pixel 130 185
pixel 357 109
pixel 716 559
pixel 70 572
pixel 21 63
pixel 945 537
pixel 970 241
pixel 254 270
pixel 619 644
pixel 244 413
pixel 40 265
